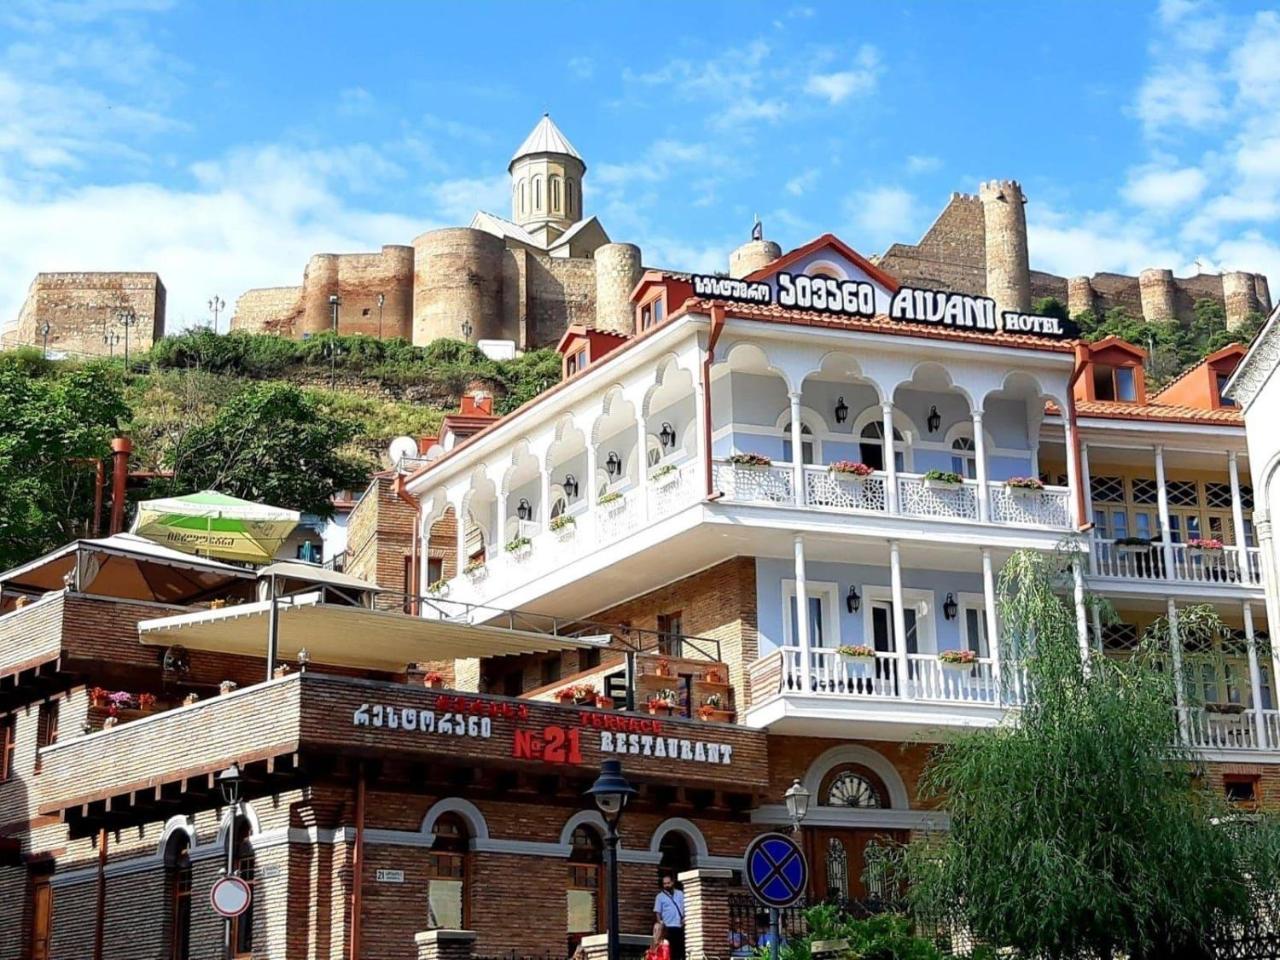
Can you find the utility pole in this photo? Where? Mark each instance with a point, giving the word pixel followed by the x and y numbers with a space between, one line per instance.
pixel 127 319
pixel 216 303
pixel 45 329
pixel 382 298
pixel 334 302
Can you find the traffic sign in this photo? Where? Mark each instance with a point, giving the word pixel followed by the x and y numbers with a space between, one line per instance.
pixel 230 896
pixel 776 871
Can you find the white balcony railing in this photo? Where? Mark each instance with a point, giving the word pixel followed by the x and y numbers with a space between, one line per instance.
pixel 916 497
pixel 1178 563
pixel 879 678
pixel 1205 730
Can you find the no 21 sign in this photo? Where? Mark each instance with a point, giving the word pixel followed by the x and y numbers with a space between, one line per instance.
pixel 551 744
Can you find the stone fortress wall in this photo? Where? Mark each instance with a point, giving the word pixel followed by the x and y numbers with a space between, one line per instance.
pixel 83 308
pixel 978 245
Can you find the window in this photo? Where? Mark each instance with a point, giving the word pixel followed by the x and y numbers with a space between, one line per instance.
pixel 1222 385
pixel 537 193
pixel 177 864
pixel 584 898
pixel 975 628
pixel 568 198
pixel 676 854
pixel 824 629
pixel 447 907
pixel 806 444
pixel 575 362
pixel 871 446
pixel 524 204
pixel 8 733
pixel 837 864
pixel 670 631
pixel 550 670
pixel 964 459
pixel 47 724
pixel 1241 789
pixel 243 866
pixel 513 684
pixel 659 310
pixel 555 194
pixel 850 788
pixel 435 569
pixel 1114 383
pixel 41 918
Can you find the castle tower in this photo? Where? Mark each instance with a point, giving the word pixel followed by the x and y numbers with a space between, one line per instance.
pixel 1080 297
pixel 1262 291
pixel 1239 296
pixel 546 182
pixel 1158 293
pixel 1005 221
pixel 754 254
pixel 618 271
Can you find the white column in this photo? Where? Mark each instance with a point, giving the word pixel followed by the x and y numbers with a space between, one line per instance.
pixel 1097 627
pixel 989 610
pixel 1271 590
pixel 500 535
pixel 1073 470
pixel 1237 518
pixel 701 456
pixel 642 466
pixel 1082 619
pixel 461 515
pixel 899 618
pixel 1255 677
pixel 587 484
pixel 890 461
pixel 1086 484
pixel 980 465
pixel 802 617
pixel 1162 500
pixel 1175 655
pixel 797 450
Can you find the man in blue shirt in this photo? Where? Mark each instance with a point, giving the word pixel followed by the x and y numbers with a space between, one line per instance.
pixel 668 909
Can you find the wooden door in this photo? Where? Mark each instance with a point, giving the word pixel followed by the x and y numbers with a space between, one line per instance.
pixel 41 918
pixel 837 861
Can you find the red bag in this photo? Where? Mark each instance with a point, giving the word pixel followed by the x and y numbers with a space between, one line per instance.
pixel 661 952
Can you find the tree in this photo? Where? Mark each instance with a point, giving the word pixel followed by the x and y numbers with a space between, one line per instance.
pixel 1081 830
pixel 270 443
pixel 53 423
pixel 1050 307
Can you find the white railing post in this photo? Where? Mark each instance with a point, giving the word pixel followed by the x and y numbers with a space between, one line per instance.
pixel 1255 676
pixel 797 449
pixel 642 468
pixel 802 614
pixel 890 460
pixel 1237 518
pixel 980 468
pixel 899 618
pixel 1166 531
pixel 989 612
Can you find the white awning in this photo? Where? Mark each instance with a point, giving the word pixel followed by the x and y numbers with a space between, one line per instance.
pixel 347 636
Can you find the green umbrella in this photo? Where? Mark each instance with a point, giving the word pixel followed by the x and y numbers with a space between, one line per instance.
pixel 213 524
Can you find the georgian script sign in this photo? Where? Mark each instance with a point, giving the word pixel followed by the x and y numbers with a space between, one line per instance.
pixel 857 298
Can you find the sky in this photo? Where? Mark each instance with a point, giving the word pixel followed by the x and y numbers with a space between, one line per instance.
pixel 222 143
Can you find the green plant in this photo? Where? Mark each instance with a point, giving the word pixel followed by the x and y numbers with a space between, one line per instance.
pixel 663 471
pixel 562 522
pixel 944 476
pixel 851 467
pixel 888 936
pixel 750 460
pixel 713 700
pixel 613 496
pixel 474 566
pixel 517 543
pixel 438 587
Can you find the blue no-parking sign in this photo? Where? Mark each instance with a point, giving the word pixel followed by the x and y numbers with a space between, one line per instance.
pixel 776 871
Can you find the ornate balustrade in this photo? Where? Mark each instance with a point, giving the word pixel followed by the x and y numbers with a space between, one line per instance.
pixel 1175 563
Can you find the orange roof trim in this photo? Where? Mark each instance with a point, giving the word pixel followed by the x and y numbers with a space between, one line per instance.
pixel 846 251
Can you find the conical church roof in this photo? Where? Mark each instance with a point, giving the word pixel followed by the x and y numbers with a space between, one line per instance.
pixel 547 138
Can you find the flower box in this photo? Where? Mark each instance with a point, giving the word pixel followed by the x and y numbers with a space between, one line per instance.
pixel 665 477
pixel 750 460
pixel 1226 709
pixel 663 668
pixel 475 572
pixel 849 470
pixel 1205 548
pixel 856 654
pixel 520 548
pixel 604 703
pixel 612 503
pixel 959 661
pixel 715 715
pixel 439 588
pixel 660 708
pixel 1024 484
pixel 564 527
pixel 943 480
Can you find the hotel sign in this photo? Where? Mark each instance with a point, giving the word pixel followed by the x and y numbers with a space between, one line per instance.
pixel 857 298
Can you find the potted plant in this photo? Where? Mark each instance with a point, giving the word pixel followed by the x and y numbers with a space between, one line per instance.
pixel 1228 709
pixel 943 479
pixel 1024 485
pixel 584 694
pixel 957 660
pixel 120 700
pixel 664 476
pixel 663 668
pixel 226 686
pixel 850 468
pixel 713 709
pixel 855 653
pixel 750 460
pixel 564 526
pixel 713 675
pixel 475 570
pixel 281 671
pixel 98 697
pixel 565 695
pixel 439 588
pixel 519 547
pixel 663 702
pixel 603 702
pixel 1204 546
pixel 433 679
pixel 190 698
pixel 147 702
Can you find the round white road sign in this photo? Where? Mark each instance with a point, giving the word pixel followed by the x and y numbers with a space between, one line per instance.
pixel 230 896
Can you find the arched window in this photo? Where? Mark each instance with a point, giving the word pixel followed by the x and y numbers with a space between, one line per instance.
pixel 555 194
pixel 806 443
pixel 177 876
pixel 568 198
pixel 524 200
pixel 964 458
pixel 447 875
pixel 243 866
pixel 585 895
pixel 653 450
pixel 837 864
pixel 676 854
pixel 537 194
pixel 852 786
pixel 559 502
pixel 871 446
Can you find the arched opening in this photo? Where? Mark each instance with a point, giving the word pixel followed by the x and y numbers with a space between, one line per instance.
pixel 807 444
pixel 568 198
pixel 676 854
pixel 177 877
pixel 243 865
pixel 585 896
pixel 537 194
pixel 555 194
pixel 448 906
pixel 964 458
pixel 853 786
pixel 871 446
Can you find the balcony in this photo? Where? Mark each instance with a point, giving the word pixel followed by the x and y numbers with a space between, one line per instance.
pixel 1247 731
pixel 916 497
pixel 1158 564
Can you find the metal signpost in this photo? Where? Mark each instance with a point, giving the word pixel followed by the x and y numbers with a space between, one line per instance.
pixel 777 874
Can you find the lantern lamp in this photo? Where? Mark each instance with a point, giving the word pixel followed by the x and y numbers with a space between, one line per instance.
pixel 524 510
pixel 797 798
pixel 613 465
pixel 934 420
pixel 667 435
pixel 950 607
pixel 842 410
pixel 853 601
pixel 230 781
pixel 570 486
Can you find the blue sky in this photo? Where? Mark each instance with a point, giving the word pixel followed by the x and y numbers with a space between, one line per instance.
pixel 222 143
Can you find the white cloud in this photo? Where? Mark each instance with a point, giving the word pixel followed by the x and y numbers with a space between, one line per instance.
pixel 881 215
pixel 354 102
pixel 457 200
pixel 839 86
pixel 803 182
pixel 1165 189
pixel 922 164
pixel 1255 64
pixel 1189 95
pixel 582 67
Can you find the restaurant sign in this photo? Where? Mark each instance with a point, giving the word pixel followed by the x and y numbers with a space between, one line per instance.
pixel 857 298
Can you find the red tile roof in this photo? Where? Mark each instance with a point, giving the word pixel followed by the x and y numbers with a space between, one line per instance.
pixel 1157 412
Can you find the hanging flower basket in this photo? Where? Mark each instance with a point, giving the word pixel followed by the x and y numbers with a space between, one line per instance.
pixel 959 661
pixel 943 480
pixel 856 653
pixel 849 469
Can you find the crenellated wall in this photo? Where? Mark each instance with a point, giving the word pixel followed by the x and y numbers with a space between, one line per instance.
pixel 83 308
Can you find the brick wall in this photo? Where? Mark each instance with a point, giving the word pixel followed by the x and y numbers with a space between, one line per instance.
pixel 380 532
pixel 81 307
pixel 268 310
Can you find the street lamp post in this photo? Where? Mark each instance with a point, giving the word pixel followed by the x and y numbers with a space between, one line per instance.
pixel 797 799
pixel 334 302
pixel 111 338
pixel 612 792
pixel 127 319
pixel 230 781
pixel 382 298
pixel 45 329
pixel 216 305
